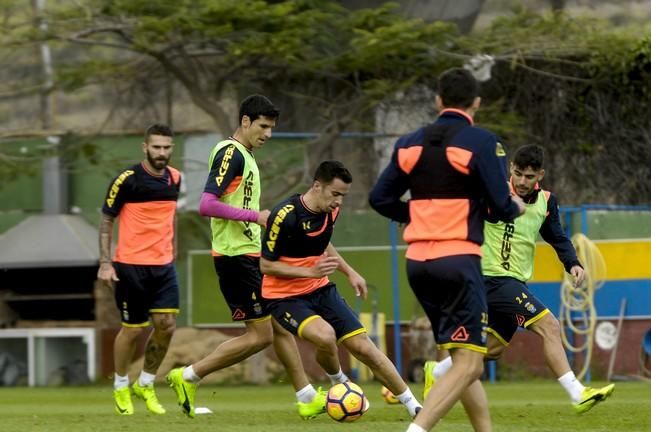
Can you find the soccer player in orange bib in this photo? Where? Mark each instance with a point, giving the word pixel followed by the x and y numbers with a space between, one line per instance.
pixel 143 198
pixel 297 258
pixel 452 170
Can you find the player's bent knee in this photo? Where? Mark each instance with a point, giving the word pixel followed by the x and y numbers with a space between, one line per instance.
pixel 263 339
pixel 260 335
pixel 132 332
pixel 258 342
pixel 553 324
pixel 495 352
pixel 324 340
pixel 365 351
pixel 547 327
pixel 471 363
pixel 166 325
pixel 475 371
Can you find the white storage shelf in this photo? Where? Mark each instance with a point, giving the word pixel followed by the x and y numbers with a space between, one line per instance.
pixel 46 350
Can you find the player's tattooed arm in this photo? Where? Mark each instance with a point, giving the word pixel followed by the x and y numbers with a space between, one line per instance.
pixel 106 271
pixel 105 235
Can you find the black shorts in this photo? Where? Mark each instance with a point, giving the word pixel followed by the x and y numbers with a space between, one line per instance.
pixel 451 291
pixel 143 290
pixel 293 313
pixel 240 281
pixel 510 305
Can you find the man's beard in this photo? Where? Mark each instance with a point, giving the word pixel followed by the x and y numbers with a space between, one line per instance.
pixel 159 163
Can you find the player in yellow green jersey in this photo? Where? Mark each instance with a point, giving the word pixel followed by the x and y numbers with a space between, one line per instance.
pixel 232 200
pixel 507 265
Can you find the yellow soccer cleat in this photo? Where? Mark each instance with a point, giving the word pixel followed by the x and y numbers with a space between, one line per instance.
pixel 430 379
pixel 148 394
pixel 388 396
pixel 592 396
pixel 185 391
pixel 123 404
pixel 309 410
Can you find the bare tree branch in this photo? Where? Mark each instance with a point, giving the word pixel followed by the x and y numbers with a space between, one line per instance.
pixel 114 45
pixel 119 30
pixel 24 92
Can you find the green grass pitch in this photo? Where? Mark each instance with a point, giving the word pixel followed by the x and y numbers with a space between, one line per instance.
pixel 523 407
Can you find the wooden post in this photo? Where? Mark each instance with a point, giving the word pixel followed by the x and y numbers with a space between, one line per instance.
pixel 613 353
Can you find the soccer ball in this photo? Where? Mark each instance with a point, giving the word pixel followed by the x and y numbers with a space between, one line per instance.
pixel 389 397
pixel 346 402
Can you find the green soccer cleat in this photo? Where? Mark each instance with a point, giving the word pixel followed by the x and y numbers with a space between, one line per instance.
pixel 148 394
pixel 309 410
pixel 184 390
pixel 123 404
pixel 430 379
pixel 592 396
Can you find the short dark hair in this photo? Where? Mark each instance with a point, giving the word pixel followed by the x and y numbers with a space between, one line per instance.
pixel 256 105
pixel 158 129
pixel 457 88
pixel 327 171
pixel 531 155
